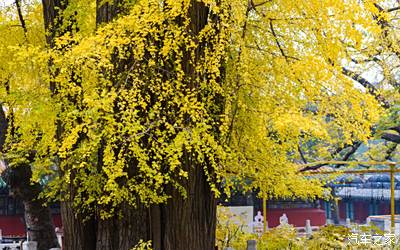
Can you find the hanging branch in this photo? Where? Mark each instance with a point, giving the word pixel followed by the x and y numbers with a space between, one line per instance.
pixel 391 137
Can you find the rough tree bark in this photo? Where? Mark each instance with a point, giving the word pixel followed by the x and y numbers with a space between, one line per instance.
pixel 122 233
pixel 94 233
pixel 106 12
pixel 190 223
pixel 78 233
pixel 180 224
pixel 119 232
pixel 53 19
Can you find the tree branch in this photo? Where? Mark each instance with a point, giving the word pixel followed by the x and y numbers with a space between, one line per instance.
pixel 21 17
pixel 366 84
pixel 396 128
pixel 276 39
pixel 260 4
pixel 303 158
pixel 373 91
pixel 391 137
pixel 391 149
pixel 346 157
pixel 393 9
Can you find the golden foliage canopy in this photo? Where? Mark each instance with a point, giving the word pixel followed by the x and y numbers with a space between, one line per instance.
pixel 146 96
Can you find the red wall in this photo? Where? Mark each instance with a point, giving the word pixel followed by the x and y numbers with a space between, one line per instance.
pixel 360 211
pixel 297 216
pixel 384 208
pixel 13 225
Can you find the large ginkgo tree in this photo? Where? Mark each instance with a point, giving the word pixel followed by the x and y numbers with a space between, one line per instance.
pixel 140 113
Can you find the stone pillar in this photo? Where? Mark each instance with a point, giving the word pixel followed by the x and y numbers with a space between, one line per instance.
pixel 348 223
pixel 251 245
pixel 386 225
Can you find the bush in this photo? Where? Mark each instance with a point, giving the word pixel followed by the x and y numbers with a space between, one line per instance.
pixel 143 245
pixel 230 234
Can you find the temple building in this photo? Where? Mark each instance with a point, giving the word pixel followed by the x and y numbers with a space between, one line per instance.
pixel 362 196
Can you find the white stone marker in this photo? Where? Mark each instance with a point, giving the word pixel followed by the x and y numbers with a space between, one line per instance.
pixel 308 228
pixel 29 245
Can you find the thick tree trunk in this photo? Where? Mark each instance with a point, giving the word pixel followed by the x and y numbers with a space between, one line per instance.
pixel 116 233
pixel 53 19
pixel 78 232
pixel 182 223
pixel 106 12
pixel 122 233
pixel 37 216
pixel 90 234
pixel 189 223
pixel 40 224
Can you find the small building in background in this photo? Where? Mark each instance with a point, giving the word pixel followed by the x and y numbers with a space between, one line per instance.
pixel 362 196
